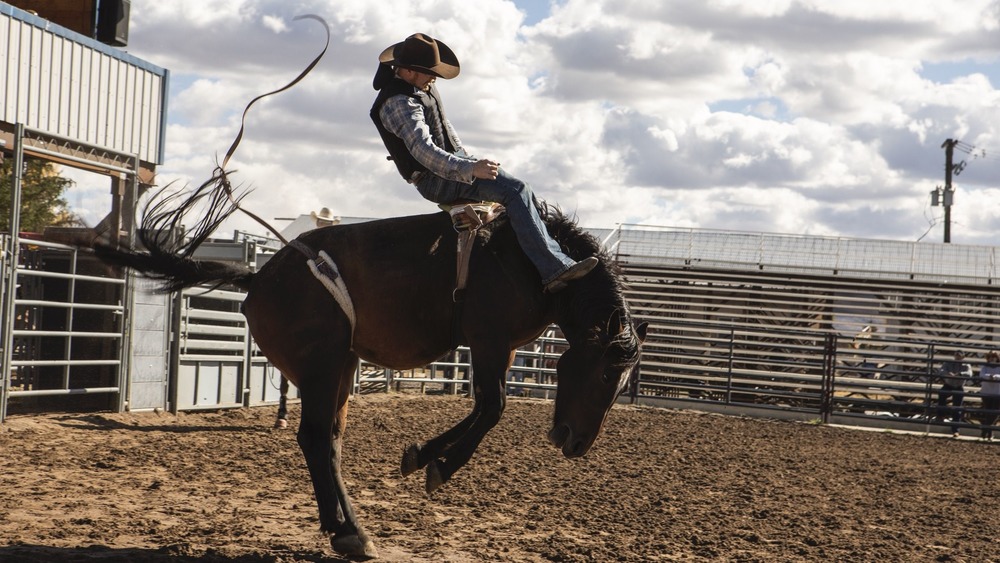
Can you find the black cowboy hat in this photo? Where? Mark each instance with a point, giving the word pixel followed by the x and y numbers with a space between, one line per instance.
pixel 422 53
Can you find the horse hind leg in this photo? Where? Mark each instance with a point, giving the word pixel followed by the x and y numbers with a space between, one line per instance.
pixel 282 421
pixel 324 415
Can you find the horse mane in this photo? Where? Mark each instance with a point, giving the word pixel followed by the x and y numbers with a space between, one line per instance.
pixel 576 242
pixel 590 302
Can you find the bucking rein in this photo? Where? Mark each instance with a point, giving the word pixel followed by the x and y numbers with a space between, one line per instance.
pixel 467 217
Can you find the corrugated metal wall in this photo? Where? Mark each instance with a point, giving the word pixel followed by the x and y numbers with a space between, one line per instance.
pixel 60 82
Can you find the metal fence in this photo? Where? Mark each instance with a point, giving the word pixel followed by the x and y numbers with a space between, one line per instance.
pixel 806 375
pixel 531 375
pixel 717 341
pixel 64 328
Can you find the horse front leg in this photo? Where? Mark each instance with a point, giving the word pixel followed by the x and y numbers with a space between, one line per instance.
pixel 488 384
pixel 417 456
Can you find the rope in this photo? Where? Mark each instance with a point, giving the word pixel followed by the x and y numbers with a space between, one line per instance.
pixel 221 169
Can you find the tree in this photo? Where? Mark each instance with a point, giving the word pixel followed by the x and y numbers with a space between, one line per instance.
pixel 42 203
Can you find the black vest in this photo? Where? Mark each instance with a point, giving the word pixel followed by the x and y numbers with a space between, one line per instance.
pixel 442 134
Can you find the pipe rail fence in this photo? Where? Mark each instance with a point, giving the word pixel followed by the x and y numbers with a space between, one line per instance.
pixel 755 350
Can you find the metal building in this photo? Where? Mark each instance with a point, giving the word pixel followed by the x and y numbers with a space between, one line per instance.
pixel 68 329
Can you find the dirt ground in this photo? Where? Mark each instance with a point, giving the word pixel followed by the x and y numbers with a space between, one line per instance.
pixel 658 486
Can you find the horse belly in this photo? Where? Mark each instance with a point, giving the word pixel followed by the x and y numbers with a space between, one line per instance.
pixel 401 346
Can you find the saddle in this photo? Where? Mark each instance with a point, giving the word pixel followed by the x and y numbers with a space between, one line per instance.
pixel 467 217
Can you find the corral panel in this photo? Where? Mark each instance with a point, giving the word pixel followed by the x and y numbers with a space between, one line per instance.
pixel 187 379
pixel 148 395
pixel 229 384
pixel 265 384
pixel 149 369
pixel 208 384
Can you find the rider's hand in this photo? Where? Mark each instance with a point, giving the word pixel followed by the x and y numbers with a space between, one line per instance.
pixel 485 169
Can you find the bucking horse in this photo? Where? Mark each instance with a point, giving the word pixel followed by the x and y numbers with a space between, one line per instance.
pixel 399 277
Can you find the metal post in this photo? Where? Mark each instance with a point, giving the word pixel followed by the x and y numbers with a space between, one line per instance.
pixel 729 366
pixel 129 184
pixel 829 373
pixel 10 267
pixel 949 150
pixel 70 314
pixel 6 325
pixel 927 387
pixel 176 311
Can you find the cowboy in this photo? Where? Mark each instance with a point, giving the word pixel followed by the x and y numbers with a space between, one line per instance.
pixel 428 154
pixel 324 218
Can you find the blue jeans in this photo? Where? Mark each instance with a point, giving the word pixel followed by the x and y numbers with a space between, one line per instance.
pixel 516 196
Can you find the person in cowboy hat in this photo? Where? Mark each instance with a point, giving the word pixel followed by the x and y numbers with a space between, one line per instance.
pixel 324 218
pixel 410 119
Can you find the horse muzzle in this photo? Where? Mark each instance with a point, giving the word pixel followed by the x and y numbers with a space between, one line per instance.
pixel 571 443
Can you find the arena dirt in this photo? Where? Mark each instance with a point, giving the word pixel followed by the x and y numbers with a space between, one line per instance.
pixel 657 486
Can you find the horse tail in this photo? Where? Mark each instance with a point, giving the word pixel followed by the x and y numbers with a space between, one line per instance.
pixel 174 272
pixel 168 251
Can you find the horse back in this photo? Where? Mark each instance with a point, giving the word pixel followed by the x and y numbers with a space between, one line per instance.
pixel 400 274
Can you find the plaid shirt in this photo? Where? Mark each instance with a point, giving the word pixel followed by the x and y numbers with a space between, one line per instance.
pixel 404 117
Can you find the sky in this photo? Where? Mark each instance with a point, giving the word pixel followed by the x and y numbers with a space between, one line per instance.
pixel 819 117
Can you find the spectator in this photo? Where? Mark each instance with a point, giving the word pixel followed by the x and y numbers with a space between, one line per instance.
pixel 954 374
pixel 989 377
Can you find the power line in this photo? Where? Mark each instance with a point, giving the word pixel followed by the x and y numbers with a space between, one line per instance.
pixel 976 152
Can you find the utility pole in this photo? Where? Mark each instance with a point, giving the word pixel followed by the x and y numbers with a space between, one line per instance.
pixel 949 191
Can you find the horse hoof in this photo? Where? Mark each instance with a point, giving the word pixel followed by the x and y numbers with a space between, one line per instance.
pixel 410 463
pixel 434 478
pixel 355 546
pixel 281 423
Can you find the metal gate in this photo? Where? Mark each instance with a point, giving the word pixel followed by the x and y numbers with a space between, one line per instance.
pixel 216 363
pixel 65 325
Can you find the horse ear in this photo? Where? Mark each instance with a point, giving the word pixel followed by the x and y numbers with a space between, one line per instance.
pixel 640 331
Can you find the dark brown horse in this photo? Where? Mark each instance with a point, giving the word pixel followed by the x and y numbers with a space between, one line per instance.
pixel 400 274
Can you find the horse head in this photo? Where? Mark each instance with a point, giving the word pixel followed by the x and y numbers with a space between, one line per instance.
pixel 592 373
